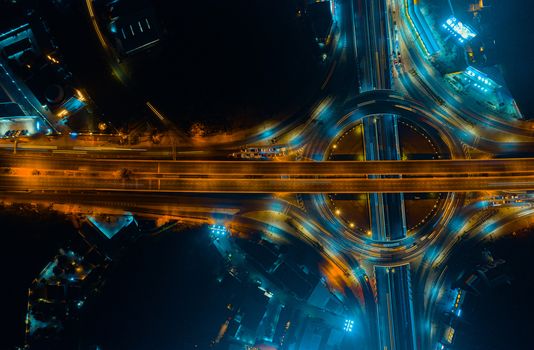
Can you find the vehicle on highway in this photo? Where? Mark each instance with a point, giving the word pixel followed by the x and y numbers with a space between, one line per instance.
pixel 261 152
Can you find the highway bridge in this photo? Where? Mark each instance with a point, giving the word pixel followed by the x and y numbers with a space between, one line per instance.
pixel 432 168
pixel 53 173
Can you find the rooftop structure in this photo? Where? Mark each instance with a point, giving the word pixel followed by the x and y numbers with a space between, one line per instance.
pixel 135 31
pixel 462 32
pixel 480 80
pixel 422 29
pixel 476 6
pixel 16 40
pixel 13 119
pixel 476 80
pixel 110 225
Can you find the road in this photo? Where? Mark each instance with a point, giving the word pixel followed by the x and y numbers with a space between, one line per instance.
pixel 420 168
pixel 386 210
pixel 396 321
pixel 155 177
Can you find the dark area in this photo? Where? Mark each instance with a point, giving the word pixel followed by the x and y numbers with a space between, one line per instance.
pixel 501 318
pixel 160 295
pixel 83 56
pixel 226 64
pixel 512 27
pixel 29 241
pixel 238 62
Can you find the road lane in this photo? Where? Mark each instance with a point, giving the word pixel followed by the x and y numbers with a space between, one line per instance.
pixel 282 185
pixel 502 166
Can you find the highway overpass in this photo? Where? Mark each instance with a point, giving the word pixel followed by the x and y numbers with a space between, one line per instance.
pixel 52 173
pixel 430 168
pixel 99 182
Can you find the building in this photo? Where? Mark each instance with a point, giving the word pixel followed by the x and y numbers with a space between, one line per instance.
pixel 422 29
pixel 322 298
pixel 33 78
pixel 473 80
pixel 479 80
pixel 134 30
pixel 13 119
pixel 14 42
pixel 462 32
pixel 487 88
pixel 316 334
pixel 477 6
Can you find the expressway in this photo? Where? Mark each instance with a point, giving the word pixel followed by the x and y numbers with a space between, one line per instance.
pixel 420 168
pixel 27 179
pixel 424 82
pixel 396 293
pixel 395 318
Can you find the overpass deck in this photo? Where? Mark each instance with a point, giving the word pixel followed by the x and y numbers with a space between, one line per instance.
pixel 430 168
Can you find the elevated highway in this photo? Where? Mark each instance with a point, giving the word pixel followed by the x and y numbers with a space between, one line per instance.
pixel 150 183
pixel 160 168
pixel 56 173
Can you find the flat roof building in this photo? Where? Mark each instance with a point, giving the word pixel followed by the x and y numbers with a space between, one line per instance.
pixel 422 29
pixel 135 31
pixel 16 41
pixel 462 32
